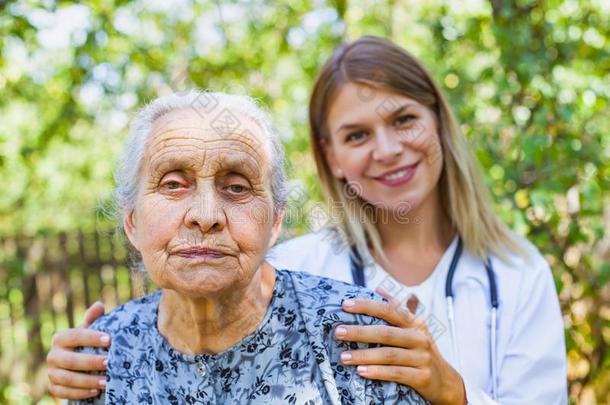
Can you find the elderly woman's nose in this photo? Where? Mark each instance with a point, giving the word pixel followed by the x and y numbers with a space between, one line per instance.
pixel 388 145
pixel 206 211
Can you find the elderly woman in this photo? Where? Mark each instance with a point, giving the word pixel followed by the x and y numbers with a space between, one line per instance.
pixel 201 190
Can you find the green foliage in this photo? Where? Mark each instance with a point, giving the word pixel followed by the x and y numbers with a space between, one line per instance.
pixel 528 80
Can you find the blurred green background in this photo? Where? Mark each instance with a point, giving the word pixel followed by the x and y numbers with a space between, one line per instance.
pixel 529 81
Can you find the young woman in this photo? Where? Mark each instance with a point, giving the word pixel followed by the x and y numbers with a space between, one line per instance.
pixel 411 216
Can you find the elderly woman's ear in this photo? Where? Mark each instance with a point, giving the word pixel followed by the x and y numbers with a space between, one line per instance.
pixel 277 226
pixel 130 229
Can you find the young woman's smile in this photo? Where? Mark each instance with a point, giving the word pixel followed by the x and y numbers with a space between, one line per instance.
pixel 399 176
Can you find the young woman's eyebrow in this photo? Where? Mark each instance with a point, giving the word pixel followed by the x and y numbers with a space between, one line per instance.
pixel 347 127
pixel 399 110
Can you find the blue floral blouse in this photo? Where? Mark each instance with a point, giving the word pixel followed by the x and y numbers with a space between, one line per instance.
pixel 291 358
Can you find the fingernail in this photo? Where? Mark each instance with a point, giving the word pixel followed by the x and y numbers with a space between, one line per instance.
pixel 93 392
pixel 361 369
pixel 105 362
pixel 105 339
pixel 346 356
pixel 102 383
pixel 340 331
pixel 349 303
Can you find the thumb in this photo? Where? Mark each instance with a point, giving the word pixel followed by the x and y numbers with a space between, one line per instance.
pixel 96 310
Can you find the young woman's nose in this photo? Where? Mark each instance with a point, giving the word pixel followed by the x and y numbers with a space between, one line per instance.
pixel 387 146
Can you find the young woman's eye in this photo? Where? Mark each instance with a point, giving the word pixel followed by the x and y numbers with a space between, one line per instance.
pixel 404 119
pixel 355 136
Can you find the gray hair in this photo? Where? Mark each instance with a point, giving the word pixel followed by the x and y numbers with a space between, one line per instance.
pixel 127 175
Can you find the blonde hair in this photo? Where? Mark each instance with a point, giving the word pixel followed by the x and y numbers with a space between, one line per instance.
pixel 379 63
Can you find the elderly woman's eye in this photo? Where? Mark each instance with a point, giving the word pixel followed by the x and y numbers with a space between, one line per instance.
pixel 237 188
pixel 172 185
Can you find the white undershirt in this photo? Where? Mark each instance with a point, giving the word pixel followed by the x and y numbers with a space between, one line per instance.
pixel 375 276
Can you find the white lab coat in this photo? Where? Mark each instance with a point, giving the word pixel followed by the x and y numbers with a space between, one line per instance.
pixel 531 354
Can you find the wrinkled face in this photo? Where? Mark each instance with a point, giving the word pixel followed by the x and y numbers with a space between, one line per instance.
pixel 386 146
pixel 204 217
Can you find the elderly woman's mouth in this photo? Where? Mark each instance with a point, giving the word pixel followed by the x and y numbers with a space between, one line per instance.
pixel 200 253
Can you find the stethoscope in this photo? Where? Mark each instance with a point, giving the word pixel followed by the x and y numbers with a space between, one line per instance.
pixel 358 277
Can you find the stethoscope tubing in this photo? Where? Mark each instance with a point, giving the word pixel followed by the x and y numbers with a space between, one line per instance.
pixel 357 268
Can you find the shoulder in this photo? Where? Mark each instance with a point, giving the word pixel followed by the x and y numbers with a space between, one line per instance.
pixel 330 289
pixel 320 299
pixel 126 324
pixel 325 242
pixel 138 311
pixel 523 278
pixel 512 268
pixel 528 266
pixel 322 253
pixel 528 256
pixel 536 276
pixel 310 240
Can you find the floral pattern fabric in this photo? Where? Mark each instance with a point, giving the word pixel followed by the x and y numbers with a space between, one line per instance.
pixel 291 358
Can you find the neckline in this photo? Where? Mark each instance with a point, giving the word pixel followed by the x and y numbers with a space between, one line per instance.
pixel 441 265
pixel 207 357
